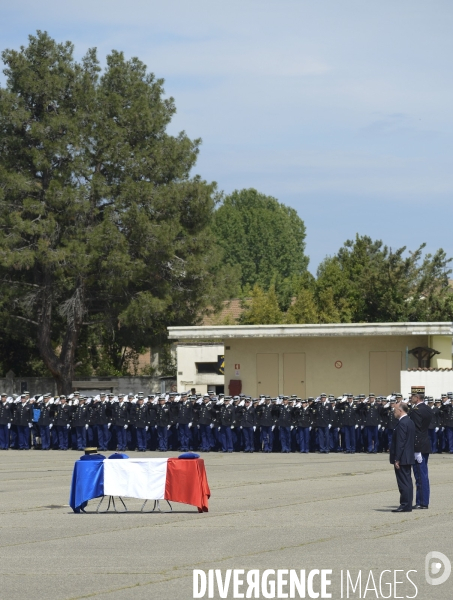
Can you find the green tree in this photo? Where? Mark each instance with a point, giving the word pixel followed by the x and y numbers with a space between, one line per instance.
pixel 303 309
pixel 261 238
pixel 370 282
pixel 262 308
pixel 101 225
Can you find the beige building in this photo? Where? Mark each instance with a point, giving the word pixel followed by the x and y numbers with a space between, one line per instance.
pixel 309 359
pixel 200 367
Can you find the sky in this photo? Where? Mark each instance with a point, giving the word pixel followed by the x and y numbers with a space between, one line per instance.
pixel 341 109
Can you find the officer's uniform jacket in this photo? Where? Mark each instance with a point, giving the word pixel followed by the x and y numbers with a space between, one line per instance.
pixel 246 417
pixel 227 415
pixel 285 416
pixel 163 416
pixel 205 413
pixel 183 412
pixel 121 413
pixel 349 416
pixel 303 417
pixel 5 413
pixel 322 414
pixel 371 414
pixel 80 415
pixel 23 415
pixel 265 415
pixel 62 415
pixel 421 416
pixel 46 414
pixel 139 416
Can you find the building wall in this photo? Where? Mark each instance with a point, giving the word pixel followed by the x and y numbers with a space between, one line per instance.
pixel 434 382
pixel 443 345
pixel 187 356
pixel 321 355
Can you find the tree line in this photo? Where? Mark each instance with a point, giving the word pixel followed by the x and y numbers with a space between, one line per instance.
pixel 107 238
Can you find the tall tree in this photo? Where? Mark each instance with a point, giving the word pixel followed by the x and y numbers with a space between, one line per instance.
pixel 101 225
pixel 370 282
pixel 261 238
pixel 262 308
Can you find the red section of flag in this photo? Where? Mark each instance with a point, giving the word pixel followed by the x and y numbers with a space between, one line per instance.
pixel 187 483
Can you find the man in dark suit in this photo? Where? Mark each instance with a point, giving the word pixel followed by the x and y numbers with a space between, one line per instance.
pixel 402 456
pixel 421 416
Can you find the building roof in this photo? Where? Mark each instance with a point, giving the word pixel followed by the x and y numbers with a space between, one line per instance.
pixel 219 332
pixel 228 315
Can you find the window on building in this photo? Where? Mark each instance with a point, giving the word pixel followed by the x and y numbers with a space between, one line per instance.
pixel 207 367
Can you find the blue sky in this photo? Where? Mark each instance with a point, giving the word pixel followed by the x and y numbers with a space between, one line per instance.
pixel 341 109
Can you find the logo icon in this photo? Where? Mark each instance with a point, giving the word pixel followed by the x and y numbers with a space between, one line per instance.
pixel 433 565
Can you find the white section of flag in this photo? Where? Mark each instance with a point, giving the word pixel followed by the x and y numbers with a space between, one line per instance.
pixel 136 478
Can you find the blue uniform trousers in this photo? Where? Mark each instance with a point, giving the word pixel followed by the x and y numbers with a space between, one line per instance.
pixel 333 439
pixel 4 437
pixel 433 439
pixel 349 438
pixel 44 432
pixel 248 435
pixel 194 438
pixel 141 437
pixel 449 437
pixel 81 435
pixel 285 439
pixel 121 437
pixel 303 439
pixel 23 432
pixel 323 439
pixel 422 481
pixel 371 432
pixel 267 438
pixel 207 441
pixel 103 435
pixel 162 437
pixel 226 438
pixel 63 437
pixel 184 436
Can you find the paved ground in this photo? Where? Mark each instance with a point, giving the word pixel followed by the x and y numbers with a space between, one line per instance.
pixel 266 512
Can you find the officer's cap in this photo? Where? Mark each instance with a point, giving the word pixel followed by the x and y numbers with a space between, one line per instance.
pixel 76 393
pixel 304 401
pixel 248 400
pixel 371 396
pixel 3 396
pixel 63 397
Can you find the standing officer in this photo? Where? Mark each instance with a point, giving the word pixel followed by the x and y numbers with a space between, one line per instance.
pixel 266 421
pixel 434 426
pixel 226 420
pixel 247 420
pixel 205 415
pixel 121 420
pixel 284 422
pixel 323 418
pixel 421 416
pixel 163 419
pixel 63 423
pixel 140 419
pixel 184 417
pixel 402 456
pixel 5 422
pixel 303 420
pixel 349 423
pixel 80 418
pixel 45 421
pixel 103 422
pixel 447 423
pixel 23 420
pixel 371 420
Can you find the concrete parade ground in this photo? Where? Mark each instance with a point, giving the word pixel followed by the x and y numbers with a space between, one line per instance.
pixel 267 511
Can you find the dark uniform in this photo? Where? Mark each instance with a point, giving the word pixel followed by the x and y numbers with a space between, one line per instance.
pixel 184 417
pixel 121 419
pixel 163 420
pixel 284 421
pixel 80 418
pixel 421 416
pixel 6 418
pixel 226 419
pixel 205 416
pixel 63 424
pixel 45 420
pixel 349 424
pixel 22 418
pixel 303 423
pixel 266 420
pixel 322 416
pixel 246 417
pixel 139 416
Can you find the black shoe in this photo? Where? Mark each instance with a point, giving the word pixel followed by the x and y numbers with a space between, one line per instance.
pixel 399 509
pixel 419 507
